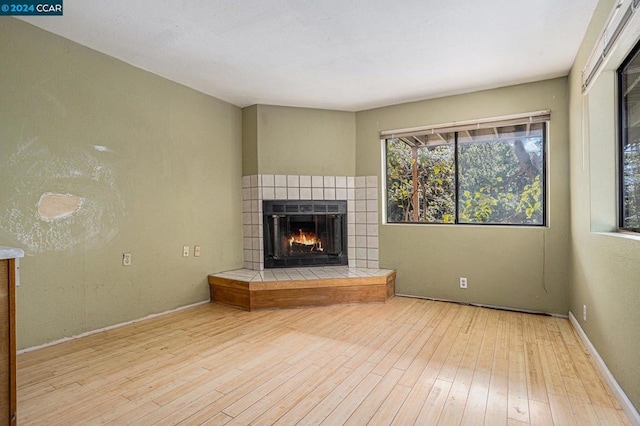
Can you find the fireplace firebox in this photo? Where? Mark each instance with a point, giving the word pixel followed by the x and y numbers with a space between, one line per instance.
pixel 304 233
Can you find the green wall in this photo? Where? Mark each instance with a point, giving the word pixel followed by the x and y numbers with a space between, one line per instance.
pixel 605 273
pixel 516 267
pixel 158 166
pixel 298 141
pixel 250 140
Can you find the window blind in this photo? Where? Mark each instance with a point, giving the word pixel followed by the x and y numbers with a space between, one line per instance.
pixel 457 126
pixel 620 16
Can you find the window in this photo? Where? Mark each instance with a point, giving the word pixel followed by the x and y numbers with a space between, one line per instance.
pixel 470 173
pixel 629 169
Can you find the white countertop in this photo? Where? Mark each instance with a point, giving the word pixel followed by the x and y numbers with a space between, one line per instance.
pixel 10 252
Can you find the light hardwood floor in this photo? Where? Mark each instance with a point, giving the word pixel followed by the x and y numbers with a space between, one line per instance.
pixel 408 361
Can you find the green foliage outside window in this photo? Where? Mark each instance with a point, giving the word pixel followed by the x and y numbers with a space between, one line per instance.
pixel 497 179
pixel 629 165
pixel 631 187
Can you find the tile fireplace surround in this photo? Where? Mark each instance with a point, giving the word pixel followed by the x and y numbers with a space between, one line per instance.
pixel 361 193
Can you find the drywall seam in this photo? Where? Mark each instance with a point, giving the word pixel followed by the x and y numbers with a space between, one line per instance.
pixel 622 398
pixel 111 327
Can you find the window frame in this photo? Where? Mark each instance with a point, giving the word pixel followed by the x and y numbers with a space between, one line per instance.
pixel 455 128
pixel 622 139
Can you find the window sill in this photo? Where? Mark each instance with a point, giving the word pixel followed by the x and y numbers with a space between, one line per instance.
pixel 623 235
pixel 466 225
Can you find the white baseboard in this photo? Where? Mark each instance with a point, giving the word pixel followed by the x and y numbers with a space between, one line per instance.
pixel 111 327
pixel 622 398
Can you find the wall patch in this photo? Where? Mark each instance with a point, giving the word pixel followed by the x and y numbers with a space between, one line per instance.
pixel 57 206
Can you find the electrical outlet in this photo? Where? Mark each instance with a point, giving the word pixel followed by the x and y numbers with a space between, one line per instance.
pixel 584 312
pixel 196 251
pixel 126 259
pixel 463 282
pixel 185 251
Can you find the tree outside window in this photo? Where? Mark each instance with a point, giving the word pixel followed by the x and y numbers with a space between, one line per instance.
pixel 629 99
pixel 489 175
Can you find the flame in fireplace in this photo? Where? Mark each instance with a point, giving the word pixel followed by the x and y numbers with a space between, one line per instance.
pixel 306 239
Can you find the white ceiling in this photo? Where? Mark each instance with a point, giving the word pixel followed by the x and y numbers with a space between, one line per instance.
pixel 335 54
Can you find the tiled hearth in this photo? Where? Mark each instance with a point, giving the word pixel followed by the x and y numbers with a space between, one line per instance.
pixel 301 287
pixel 361 193
pixel 302 274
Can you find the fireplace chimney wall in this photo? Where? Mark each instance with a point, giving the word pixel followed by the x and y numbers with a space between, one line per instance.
pixel 360 192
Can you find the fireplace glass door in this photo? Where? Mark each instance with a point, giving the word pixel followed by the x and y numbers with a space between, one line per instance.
pixel 304 233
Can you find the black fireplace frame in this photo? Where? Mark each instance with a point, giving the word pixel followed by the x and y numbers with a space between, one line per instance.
pixel 275 211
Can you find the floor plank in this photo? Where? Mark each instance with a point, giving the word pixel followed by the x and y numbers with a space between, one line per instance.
pixel 403 362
